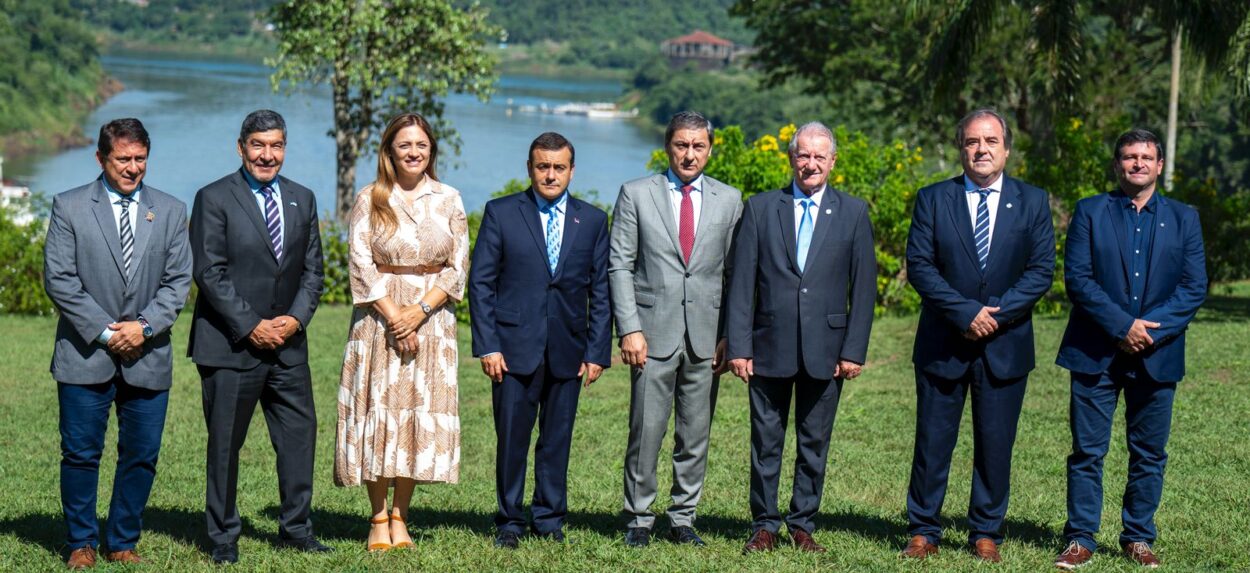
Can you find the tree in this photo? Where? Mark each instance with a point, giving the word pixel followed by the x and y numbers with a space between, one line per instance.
pixel 381 58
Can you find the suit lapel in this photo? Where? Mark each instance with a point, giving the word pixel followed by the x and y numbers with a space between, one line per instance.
pixel 659 196
pixel 103 210
pixel 289 207
pixel 1121 234
pixel 828 209
pixel 1004 221
pixel 572 223
pixel 143 231
pixel 242 193
pixel 957 204
pixel 1164 227
pixel 785 211
pixel 527 204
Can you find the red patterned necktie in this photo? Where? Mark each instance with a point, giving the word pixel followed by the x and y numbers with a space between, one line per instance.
pixel 685 232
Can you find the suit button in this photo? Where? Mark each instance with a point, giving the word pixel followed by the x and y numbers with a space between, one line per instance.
pixel 803 290
pixel 687 275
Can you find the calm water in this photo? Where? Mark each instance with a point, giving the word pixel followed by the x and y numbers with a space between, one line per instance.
pixel 193 109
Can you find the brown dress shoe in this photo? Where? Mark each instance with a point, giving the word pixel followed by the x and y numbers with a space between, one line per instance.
pixel 919 548
pixel 1073 556
pixel 1139 551
pixel 761 540
pixel 986 550
pixel 124 556
pixel 804 542
pixel 81 558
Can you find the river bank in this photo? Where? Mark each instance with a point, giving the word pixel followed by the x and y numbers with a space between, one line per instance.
pixel 63 131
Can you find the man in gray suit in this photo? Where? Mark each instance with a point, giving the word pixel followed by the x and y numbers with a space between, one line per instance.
pixel 117 266
pixel 670 240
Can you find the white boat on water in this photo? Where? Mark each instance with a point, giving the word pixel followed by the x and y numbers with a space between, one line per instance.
pixel 599 110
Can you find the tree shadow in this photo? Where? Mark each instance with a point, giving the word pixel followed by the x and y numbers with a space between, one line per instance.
pixel 188 527
pixel 1224 308
pixel 46 530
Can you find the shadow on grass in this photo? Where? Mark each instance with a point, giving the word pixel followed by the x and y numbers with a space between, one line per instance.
pixel 1223 308
pixel 47 530
pixel 188 527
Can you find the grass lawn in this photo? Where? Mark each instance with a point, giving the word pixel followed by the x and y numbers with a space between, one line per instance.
pixel 1205 510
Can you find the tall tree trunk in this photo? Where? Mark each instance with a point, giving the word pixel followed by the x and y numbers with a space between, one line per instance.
pixel 347 146
pixel 1173 102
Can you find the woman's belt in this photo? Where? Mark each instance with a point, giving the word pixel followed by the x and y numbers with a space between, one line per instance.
pixel 410 270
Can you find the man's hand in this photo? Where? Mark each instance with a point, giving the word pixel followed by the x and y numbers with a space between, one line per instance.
pixel 719 364
pixel 127 340
pixel 1137 338
pixel 634 349
pixel 494 366
pixel 407 320
pixel 591 371
pixel 743 368
pixel 286 327
pixel 266 335
pixel 983 325
pixel 847 370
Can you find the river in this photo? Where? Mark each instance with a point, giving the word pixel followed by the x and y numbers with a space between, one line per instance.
pixel 192 110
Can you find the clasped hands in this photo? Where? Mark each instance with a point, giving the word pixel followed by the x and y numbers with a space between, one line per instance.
pixel 402 326
pixel 127 339
pixel 983 325
pixel 1138 339
pixel 273 332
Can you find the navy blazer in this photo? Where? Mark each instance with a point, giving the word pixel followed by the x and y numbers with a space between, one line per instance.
pixel 942 266
pixel 520 308
pixel 1096 276
pixel 778 316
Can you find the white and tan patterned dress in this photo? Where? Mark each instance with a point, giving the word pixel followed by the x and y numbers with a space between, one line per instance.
pixel 399 414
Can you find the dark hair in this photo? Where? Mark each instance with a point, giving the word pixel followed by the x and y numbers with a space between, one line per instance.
pixel 687 120
pixel 978 114
pixel 122 129
pixel 552 141
pixel 261 120
pixel 1138 135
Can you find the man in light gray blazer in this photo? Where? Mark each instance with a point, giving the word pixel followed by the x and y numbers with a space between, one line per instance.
pixel 670 242
pixel 117 265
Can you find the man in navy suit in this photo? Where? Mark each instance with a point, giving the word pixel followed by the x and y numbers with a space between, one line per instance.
pixel 542 321
pixel 981 252
pixel 798 314
pixel 1135 271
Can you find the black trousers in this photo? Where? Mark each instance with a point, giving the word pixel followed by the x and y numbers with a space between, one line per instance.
pixel 815 406
pixel 285 396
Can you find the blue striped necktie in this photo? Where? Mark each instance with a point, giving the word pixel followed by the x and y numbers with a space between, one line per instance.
pixel 272 221
pixel 981 230
pixel 553 236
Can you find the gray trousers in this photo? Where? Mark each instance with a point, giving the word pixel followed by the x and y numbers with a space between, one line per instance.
pixel 685 380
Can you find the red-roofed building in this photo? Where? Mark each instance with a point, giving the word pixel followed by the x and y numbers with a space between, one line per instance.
pixel 707 51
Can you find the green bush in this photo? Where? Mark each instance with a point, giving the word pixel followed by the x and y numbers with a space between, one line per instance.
pixel 21 276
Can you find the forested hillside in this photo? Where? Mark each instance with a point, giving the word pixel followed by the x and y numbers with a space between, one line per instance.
pixel 50 73
pixel 172 21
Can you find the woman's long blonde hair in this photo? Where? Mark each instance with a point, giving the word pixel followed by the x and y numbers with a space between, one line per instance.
pixel 381 216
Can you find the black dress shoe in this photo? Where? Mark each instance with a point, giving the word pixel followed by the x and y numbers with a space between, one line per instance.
pixel 685 534
pixel 307 545
pixel 638 537
pixel 507 540
pixel 225 553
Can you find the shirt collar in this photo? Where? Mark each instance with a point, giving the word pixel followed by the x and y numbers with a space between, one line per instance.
pixel 1126 201
pixel 799 195
pixel 674 183
pixel 970 186
pixel 114 195
pixel 256 185
pixel 558 204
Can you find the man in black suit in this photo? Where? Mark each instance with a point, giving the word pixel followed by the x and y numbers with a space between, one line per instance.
pixel 542 320
pixel 981 252
pixel 798 314
pixel 254 237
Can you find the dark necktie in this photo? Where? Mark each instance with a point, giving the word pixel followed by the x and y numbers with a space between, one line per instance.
pixel 272 221
pixel 982 228
pixel 127 234
pixel 685 233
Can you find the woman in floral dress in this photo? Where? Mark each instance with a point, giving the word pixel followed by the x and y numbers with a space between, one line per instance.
pixel 398 413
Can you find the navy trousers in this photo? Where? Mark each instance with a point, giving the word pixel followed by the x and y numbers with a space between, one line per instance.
pixel 517 401
pixel 939 406
pixel 84 418
pixel 815 406
pixel 1148 417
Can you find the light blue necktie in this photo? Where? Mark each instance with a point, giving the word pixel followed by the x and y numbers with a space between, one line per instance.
pixel 805 232
pixel 553 236
pixel 981 231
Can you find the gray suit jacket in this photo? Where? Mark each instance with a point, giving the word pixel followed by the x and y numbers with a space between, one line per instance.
pixel 653 289
pixel 83 275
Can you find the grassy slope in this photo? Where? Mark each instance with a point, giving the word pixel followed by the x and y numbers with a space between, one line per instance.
pixel 861 520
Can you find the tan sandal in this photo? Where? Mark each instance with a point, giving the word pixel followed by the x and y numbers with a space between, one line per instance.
pixel 380 547
pixel 402 544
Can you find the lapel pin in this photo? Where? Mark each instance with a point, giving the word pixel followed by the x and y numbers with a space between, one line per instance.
pixel 575 221
pixel 150 216
pixel 1162 225
pixel 293 204
pixel 828 211
pixel 1009 205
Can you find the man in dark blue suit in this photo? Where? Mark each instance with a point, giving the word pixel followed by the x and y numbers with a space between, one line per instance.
pixel 797 318
pixel 981 252
pixel 1135 271
pixel 538 295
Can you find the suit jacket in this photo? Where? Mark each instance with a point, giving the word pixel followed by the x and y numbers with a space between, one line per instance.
pixel 522 309
pixel 654 289
pixel 240 279
pixel 785 319
pixel 85 278
pixel 942 266
pixel 1096 275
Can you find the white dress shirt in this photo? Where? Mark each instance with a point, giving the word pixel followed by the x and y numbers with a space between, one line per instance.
pixel 674 197
pixel 799 196
pixel 991 201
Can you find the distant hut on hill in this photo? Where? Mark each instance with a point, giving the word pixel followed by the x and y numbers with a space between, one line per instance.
pixel 705 50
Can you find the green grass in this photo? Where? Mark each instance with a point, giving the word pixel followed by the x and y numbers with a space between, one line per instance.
pixel 1203 516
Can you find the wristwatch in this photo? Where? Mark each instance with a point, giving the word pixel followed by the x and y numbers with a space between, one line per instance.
pixel 427 309
pixel 147 328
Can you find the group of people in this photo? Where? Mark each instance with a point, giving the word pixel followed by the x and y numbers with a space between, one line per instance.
pixel 779 290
